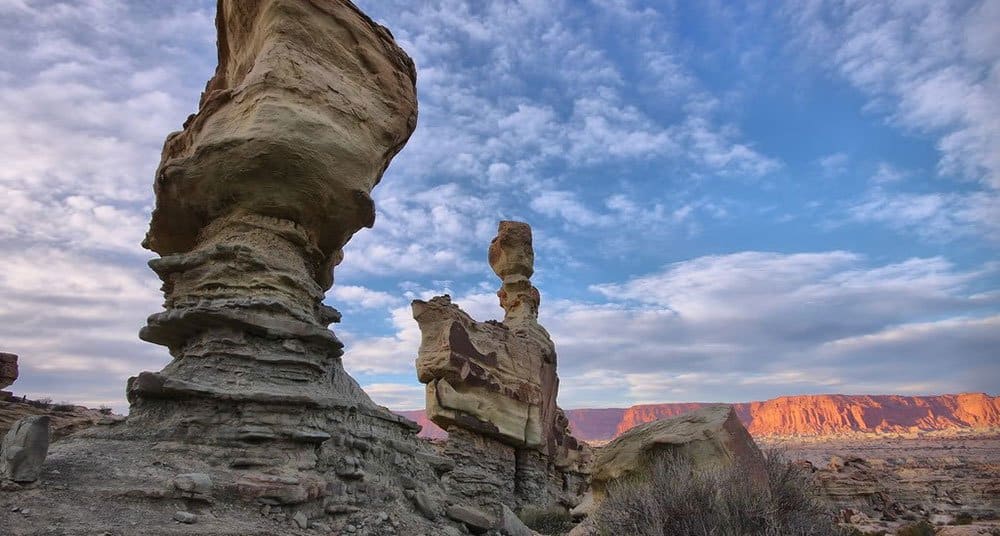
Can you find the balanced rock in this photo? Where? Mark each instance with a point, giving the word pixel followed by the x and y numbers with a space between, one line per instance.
pixel 710 436
pixel 8 369
pixel 493 385
pixel 24 449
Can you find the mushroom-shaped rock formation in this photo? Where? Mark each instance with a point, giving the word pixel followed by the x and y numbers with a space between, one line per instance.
pixel 254 200
pixel 493 385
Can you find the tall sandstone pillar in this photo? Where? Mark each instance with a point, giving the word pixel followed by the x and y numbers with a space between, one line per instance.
pixel 255 199
pixel 493 387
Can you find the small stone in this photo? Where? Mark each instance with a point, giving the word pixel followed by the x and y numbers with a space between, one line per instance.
pixel 350 528
pixel 425 504
pixel 476 520
pixel 511 525
pixel 195 483
pixel 339 509
pixel 25 511
pixel 301 520
pixel 185 517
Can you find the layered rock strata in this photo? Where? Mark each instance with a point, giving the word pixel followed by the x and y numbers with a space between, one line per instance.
pixel 255 199
pixel 254 427
pixel 8 369
pixel 494 385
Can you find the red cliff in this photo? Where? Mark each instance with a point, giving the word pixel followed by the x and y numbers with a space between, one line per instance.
pixel 807 415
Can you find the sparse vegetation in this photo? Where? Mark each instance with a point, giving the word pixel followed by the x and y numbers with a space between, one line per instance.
pixel 42 403
pixel 105 410
pixel 63 407
pixel 963 518
pixel 546 520
pixel 676 500
pixel 920 528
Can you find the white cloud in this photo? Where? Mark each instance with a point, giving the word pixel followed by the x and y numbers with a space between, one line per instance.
pixel 833 164
pixel 930 65
pixel 934 216
pixel 752 325
pixel 397 396
pixel 355 295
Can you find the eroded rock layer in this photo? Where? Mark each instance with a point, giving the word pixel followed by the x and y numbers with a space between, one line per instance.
pixel 495 384
pixel 8 369
pixel 254 427
pixel 254 200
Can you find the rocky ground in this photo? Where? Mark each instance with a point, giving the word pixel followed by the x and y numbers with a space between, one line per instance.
pixel 64 418
pixel 885 483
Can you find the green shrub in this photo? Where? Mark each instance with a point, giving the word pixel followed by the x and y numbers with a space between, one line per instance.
pixel 546 520
pixel 921 528
pixel 676 500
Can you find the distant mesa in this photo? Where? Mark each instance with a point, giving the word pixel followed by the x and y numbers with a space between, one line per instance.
pixel 790 416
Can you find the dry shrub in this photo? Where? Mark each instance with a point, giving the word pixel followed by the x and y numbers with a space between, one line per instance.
pixel 676 500
pixel 546 520
pixel 921 528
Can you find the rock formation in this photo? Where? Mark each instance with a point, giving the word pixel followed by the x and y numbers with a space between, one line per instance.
pixel 709 436
pixel 255 199
pixel 8 369
pixel 254 427
pixel 24 448
pixel 493 385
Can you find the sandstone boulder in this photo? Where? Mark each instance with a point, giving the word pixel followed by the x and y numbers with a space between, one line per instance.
pixel 24 449
pixel 707 437
pixel 8 369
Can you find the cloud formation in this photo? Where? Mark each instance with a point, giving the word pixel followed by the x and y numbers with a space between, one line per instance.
pixel 685 250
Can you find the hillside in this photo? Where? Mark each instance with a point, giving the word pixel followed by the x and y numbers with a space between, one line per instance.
pixel 806 415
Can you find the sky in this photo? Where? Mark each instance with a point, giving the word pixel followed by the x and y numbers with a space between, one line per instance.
pixel 731 201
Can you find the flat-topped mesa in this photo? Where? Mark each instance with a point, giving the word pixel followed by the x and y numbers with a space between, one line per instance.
pixel 497 381
pixel 255 200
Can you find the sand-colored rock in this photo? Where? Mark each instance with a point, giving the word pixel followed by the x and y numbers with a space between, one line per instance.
pixel 493 385
pixel 710 436
pixel 254 200
pixel 495 378
pixel 8 369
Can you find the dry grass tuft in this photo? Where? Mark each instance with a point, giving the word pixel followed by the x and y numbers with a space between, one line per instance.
pixel 678 501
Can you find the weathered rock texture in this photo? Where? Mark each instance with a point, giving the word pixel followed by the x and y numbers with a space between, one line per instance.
pixel 255 199
pixel 494 385
pixel 8 369
pixel 24 448
pixel 708 436
pixel 881 483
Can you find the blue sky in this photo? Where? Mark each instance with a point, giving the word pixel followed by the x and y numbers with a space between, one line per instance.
pixel 731 201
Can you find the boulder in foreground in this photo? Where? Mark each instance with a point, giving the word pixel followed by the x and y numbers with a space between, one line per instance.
pixel 24 449
pixel 711 436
